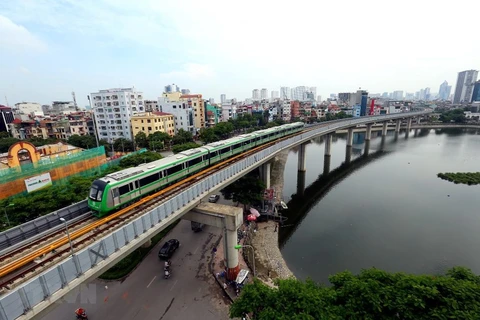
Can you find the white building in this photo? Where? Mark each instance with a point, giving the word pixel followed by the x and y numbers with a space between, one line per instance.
pixel 182 112
pixel 256 94
pixel 229 111
pixel 285 93
pixel 29 108
pixel 286 110
pixel 313 90
pixel 397 95
pixel 223 98
pixel 275 95
pixel 319 98
pixel 171 88
pixel 264 94
pixel 465 83
pixel 113 109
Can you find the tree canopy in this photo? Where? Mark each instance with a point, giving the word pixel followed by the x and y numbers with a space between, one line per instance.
pixel 185 146
pixel 372 294
pixel 182 137
pixel 247 190
pixel 84 142
pixel 138 158
pixel 456 115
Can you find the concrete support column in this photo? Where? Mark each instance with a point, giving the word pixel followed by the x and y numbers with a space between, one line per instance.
pixel 350 137
pixel 301 182
pixel 348 154
pixel 367 148
pixel 409 124
pixel 231 255
pixel 384 129
pixel 302 166
pixel 368 133
pixel 382 143
pixel 328 145
pixel 397 125
pixel 418 120
pixel 266 169
pixel 326 164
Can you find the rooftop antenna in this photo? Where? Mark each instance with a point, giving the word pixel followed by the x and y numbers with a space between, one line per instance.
pixel 6 101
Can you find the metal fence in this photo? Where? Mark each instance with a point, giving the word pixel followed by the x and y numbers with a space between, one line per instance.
pixel 29 294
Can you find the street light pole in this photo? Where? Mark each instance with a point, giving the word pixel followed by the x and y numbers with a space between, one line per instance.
pixel 253 254
pixel 6 215
pixel 68 234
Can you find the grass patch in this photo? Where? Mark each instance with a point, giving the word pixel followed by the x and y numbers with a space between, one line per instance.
pixel 130 262
pixel 470 178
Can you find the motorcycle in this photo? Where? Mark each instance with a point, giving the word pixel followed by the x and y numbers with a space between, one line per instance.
pixel 82 316
pixel 167 273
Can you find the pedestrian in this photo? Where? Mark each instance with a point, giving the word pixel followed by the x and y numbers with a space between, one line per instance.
pixel 214 251
pixel 224 286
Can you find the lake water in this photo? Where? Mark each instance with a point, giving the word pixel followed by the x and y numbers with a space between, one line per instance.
pixel 390 212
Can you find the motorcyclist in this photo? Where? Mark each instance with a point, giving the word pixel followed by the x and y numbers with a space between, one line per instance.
pixel 168 263
pixel 80 313
pixel 167 274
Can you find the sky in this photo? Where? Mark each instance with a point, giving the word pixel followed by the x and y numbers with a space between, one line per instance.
pixel 50 48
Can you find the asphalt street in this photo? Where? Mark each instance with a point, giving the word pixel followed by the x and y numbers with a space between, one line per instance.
pixel 190 293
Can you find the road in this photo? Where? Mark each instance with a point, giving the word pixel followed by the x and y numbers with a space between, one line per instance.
pixel 190 293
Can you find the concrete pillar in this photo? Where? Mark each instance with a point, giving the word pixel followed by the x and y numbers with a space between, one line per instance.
pixel 348 154
pixel 328 145
pixel 367 148
pixel 395 137
pixel 384 129
pixel 397 125
pixel 266 169
pixel 230 254
pixel 415 132
pixel 368 133
pixel 302 166
pixel 382 143
pixel 301 182
pixel 418 120
pixel 350 137
pixel 409 124
pixel 326 164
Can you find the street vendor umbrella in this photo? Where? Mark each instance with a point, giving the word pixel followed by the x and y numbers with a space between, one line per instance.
pixel 251 217
pixel 254 212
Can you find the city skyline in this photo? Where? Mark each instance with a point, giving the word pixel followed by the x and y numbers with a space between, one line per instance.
pixel 82 47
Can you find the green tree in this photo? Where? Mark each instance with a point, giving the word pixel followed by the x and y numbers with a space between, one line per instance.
pixel 123 145
pixel 207 135
pixel 223 130
pixel 106 145
pixel 247 190
pixel 4 134
pixel 85 142
pixel 141 140
pixel 185 146
pixel 158 139
pixel 372 294
pixel 134 160
pixel 6 143
pixel 182 137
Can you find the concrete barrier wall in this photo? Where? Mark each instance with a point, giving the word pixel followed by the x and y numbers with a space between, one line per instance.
pixel 33 296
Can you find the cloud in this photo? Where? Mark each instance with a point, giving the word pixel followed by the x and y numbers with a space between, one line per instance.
pixel 17 38
pixel 24 70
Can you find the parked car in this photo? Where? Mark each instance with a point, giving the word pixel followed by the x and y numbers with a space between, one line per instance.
pixel 213 198
pixel 167 250
pixel 197 226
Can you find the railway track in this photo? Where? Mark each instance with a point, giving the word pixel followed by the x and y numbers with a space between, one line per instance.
pixel 21 266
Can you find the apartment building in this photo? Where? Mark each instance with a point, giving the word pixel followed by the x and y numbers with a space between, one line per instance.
pixel 181 111
pixel 151 122
pixel 113 109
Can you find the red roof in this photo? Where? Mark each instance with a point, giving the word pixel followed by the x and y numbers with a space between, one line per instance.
pixel 17 121
pixel 158 113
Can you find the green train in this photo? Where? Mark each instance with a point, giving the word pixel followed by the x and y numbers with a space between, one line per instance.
pixel 121 188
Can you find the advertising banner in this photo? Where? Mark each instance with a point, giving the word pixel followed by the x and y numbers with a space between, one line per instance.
pixel 38 182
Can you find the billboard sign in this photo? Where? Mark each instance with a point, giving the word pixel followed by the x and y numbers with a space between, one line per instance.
pixel 38 182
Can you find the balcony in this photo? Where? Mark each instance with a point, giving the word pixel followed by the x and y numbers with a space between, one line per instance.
pixel 116 109
pixel 140 96
pixel 97 98
pixel 115 97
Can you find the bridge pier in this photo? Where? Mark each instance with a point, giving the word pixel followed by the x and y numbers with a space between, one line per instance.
pixel 265 171
pixel 326 164
pixel 368 133
pixel 418 120
pixel 348 154
pixel 229 219
pixel 397 125
pixel 350 137
pixel 328 145
pixel 409 124
pixel 385 128
pixel 382 143
pixel 301 182
pixel 366 151
pixel 302 164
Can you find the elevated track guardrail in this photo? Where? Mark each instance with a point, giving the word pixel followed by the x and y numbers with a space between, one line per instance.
pixel 29 298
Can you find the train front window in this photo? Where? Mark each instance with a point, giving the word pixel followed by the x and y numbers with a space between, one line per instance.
pixel 93 192
pixel 96 191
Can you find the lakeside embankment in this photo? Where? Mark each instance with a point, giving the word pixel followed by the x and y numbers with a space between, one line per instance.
pixel 269 262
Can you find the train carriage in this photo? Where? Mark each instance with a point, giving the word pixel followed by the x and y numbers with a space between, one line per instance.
pixel 124 187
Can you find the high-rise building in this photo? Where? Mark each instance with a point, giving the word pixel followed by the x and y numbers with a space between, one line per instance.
pixel 223 98
pixel 476 92
pixel 28 108
pixel 319 98
pixel 398 95
pixel 256 94
pixel 264 94
pixel 313 90
pixel 465 83
pixel 113 109
pixel 275 95
pixel 196 102
pixel 150 106
pixel 185 91
pixel 444 91
pixel 182 112
pixel 6 117
pixel 171 88
pixel 298 93
pixel 285 93
pixel 385 95
pixel 428 96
